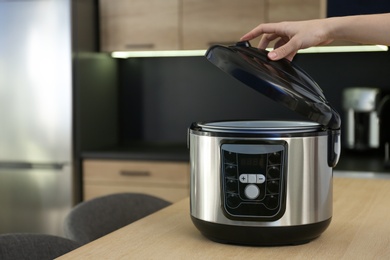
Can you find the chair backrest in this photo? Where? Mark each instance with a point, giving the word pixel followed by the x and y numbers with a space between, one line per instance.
pixel 95 218
pixel 34 246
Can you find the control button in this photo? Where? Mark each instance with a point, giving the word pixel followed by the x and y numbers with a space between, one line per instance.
pixel 272 202
pixel 231 185
pixel 273 172
pixel 251 178
pixel 252 191
pixel 260 178
pixel 273 186
pixel 233 200
pixel 244 178
pixel 230 157
pixel 231 171
pixel 274 158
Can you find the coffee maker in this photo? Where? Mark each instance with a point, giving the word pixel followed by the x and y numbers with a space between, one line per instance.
pixel 367 119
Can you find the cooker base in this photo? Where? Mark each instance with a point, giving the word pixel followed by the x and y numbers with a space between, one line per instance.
pixel 261 236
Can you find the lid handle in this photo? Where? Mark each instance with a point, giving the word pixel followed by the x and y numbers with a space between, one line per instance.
pixel 334 147
pixel 243 44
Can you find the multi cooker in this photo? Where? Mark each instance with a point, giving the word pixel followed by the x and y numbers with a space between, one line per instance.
pixel 256 182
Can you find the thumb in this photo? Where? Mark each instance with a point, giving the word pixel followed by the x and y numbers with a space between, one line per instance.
pixel 287 50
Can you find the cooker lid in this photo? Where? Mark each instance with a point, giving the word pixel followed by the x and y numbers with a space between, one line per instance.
pixel 280 80
pixel 260 126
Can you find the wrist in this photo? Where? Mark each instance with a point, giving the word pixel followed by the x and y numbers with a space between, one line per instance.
pixel 335 28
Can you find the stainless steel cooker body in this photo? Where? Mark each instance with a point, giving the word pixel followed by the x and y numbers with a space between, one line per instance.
pixel 238 197
pixel 265 182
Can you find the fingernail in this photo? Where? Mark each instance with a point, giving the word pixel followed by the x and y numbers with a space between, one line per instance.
pixel 272 55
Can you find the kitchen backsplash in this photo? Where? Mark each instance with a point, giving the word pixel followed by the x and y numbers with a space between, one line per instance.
pixel 160 97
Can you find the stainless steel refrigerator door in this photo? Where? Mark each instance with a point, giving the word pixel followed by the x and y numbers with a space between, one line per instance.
pixel 35 200
pixel 35 81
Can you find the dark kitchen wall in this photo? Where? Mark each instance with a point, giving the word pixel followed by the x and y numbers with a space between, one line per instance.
pixel 94 81
pixel 160 97
pixel 355 7
pixel 337 71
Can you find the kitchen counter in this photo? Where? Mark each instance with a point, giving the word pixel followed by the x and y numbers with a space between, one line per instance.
pixel 349 161
pixel 360 229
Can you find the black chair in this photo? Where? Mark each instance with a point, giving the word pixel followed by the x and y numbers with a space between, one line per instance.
pixel 34 246
pixel 95 218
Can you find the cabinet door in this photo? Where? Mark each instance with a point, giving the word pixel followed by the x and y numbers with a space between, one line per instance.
pixel 206 22
pixel 172 194
pixel 168 180
pixel 295 10
pixel 139 25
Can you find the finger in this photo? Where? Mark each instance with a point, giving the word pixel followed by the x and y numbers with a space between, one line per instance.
pixel 291 56
pixel 257 31
pixel 280 42
pixel 287 50
pixel 251 35
pixel 247 37
pixel 266 39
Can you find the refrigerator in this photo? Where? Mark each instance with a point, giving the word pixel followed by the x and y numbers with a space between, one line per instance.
pixel 36 130
pixel 58 99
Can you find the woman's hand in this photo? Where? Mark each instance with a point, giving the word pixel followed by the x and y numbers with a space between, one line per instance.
pixel 290 36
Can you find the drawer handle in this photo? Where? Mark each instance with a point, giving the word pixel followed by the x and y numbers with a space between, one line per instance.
pixel 140 46
pixel 135 173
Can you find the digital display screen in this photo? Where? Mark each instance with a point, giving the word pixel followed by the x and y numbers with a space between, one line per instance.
pixel 252 163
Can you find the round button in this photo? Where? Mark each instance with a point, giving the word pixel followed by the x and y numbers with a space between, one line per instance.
pixel 232 200
pixel 273 186
pixel 273 172
pixel 231 185
pixel 274 158
pixel 230 157
pixel 272 202
pixel 252 191
pixel 231 170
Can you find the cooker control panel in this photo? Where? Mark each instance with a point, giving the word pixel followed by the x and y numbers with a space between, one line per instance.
pixel 253 180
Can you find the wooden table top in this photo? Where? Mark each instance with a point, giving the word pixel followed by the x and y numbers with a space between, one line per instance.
pixel 360 229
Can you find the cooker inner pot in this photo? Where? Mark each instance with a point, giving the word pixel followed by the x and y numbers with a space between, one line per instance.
pixel 261 126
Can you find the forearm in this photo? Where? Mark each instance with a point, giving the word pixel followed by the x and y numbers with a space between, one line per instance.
pixel 365 29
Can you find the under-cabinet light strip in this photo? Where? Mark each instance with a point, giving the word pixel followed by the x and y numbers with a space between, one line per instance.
pixel 192 53
pixel 352 48
pixel 179 53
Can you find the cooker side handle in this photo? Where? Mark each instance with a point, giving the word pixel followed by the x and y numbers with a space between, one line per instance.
pixel 334 147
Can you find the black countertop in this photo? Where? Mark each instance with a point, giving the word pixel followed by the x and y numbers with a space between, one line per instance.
pixel 372 161
pixel 141 151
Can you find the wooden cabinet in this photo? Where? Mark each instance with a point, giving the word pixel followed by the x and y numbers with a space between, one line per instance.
pixel 206 22
pixel 192 24
pixel 167 180
pixel 139 25
pixel 295 10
